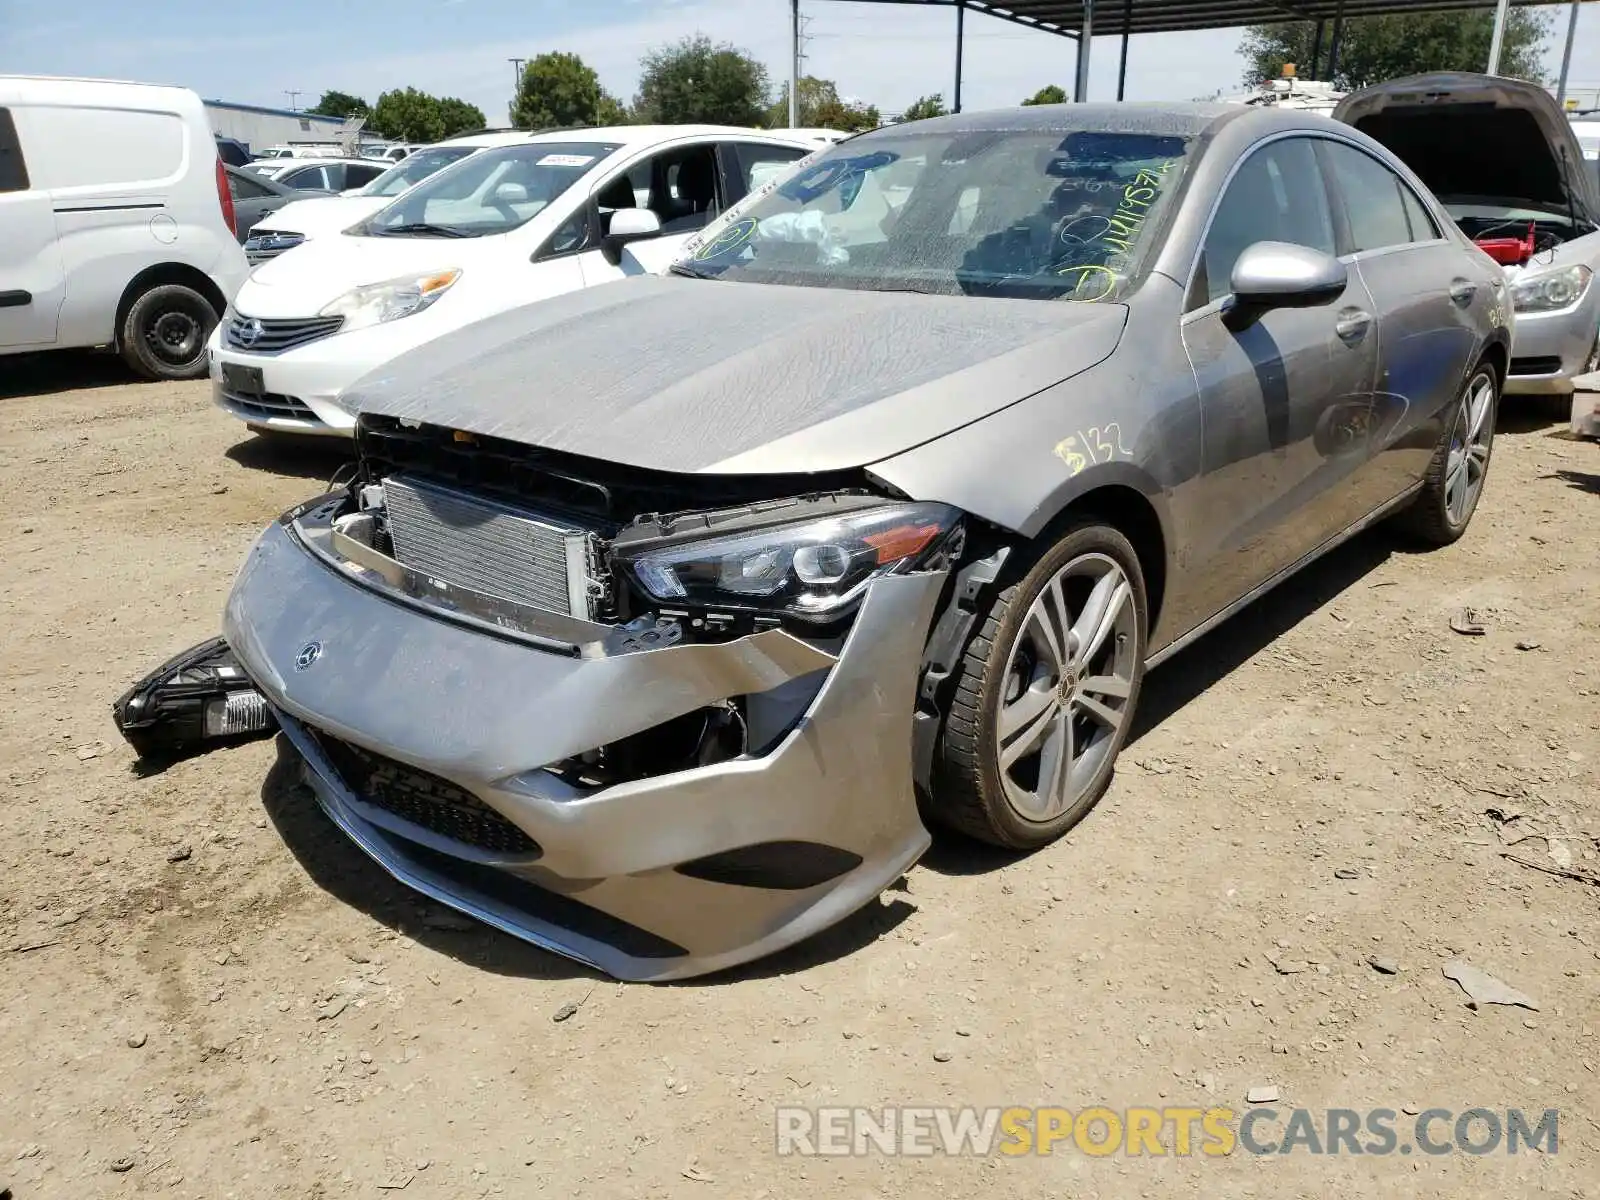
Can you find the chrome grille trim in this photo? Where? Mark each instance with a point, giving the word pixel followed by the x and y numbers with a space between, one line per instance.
pixel 272 404
pixel 261 246
pixel 272 335
pixel 492 548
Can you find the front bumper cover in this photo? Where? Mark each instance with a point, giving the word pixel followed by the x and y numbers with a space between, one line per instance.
pixel 487 713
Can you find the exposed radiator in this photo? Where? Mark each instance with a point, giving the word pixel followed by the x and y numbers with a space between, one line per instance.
pixel 520 556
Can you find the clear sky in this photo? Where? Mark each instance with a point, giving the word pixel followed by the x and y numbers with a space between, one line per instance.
pixel 887 55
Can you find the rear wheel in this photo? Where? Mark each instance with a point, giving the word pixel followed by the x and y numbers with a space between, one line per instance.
pixel 164 334
pixel 1454 482
pixel 1045 694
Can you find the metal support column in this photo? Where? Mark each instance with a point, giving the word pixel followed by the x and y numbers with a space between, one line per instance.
pixel 794 64
pixel 1316 52
pixel 961 28
pixel 1566 54
pixel 1501 11
pixel 1080 87
pixel 1122 64
pixel 1338 37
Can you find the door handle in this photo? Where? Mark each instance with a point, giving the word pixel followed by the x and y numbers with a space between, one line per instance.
pixel 1353 324
pixel 1462 291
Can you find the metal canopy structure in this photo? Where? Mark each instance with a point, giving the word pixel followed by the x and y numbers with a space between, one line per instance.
pixel 1082 20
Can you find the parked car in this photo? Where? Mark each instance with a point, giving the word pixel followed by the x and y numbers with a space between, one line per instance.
pixel 116 223
pixel 653 609
pixel 546 214
pixel 294 224
pixel 394 153
pixel 254 196
pixel 232 152
pixel 1506 163
pixel 301 151
pixel 323 174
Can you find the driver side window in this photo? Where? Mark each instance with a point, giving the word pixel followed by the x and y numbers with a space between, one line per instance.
pixel 1277 195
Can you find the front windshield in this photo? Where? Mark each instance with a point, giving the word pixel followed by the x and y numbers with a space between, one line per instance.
pixel 488 193
pixel 414 170
pixel 1021 213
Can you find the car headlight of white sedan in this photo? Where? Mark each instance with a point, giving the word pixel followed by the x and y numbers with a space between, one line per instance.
pixel 1548 291
pixel 380 303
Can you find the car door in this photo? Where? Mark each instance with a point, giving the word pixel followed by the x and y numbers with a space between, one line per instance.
pixel 32 277
pixel 1275 395
pixel 681 184
pixel 251 202
pixel 1428 312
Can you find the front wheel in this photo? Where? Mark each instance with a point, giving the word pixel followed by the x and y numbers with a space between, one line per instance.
pixel 164 334
pixel 1045 694
pixel 1454 481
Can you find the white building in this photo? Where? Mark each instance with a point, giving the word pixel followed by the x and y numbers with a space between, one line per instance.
pixel 259 128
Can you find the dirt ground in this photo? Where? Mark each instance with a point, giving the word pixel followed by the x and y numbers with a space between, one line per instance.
pixel 208 992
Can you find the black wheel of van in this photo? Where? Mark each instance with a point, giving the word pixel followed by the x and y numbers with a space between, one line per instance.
pixel 164 334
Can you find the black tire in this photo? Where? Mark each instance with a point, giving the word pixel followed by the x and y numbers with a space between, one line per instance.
pixel 967 794
pixel 164 334
pixel 1429 518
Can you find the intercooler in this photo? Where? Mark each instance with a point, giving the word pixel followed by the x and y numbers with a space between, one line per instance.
pixel 460 539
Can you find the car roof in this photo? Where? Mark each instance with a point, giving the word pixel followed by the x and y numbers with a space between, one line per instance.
pixel 623 135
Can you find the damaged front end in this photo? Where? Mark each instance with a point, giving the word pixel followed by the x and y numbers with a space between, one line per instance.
pixel 661 724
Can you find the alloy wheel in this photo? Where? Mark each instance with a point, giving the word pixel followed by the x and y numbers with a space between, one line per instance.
pixel 1070 674
pixel 1468 458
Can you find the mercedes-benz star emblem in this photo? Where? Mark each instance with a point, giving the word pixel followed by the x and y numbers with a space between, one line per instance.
pixel 309 653
pixel 249 333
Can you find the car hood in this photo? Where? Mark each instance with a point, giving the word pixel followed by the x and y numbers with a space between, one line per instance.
pixel 1478 135
pixel 689 375
pixel 304 280
pixel 323 215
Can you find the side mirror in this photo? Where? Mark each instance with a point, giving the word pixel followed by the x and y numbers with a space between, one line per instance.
pixel 510 193
pixel 1272 275
pixel 629 225
pixel 633 225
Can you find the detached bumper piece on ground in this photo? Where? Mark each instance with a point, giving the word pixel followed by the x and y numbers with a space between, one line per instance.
pixel 199 699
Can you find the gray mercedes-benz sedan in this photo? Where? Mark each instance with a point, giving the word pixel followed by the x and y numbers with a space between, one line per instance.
pixel 660 615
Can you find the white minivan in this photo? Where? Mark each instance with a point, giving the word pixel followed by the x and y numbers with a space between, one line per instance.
pixel 116 222
pixel 543 214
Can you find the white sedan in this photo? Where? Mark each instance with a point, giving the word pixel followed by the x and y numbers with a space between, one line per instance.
pixel 552 213
pixel 320 215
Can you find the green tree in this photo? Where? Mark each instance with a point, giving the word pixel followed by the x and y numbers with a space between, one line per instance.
pixel 821 106
pixel 696 80
pixel 561 89
pixel 457 116
pixel 924 107
pixel 415 116
pixel 340 104
pixel 848 118
pixel 612 111
pixel 1046 95
pixel 1374 49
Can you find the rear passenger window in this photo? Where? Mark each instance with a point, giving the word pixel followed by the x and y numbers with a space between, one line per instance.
pixel 1374 199
pixel 1423 226
pixel 78 147
pixel 13 171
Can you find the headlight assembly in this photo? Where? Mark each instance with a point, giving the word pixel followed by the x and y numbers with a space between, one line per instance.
pixel 1548 291
pixel 811 569
pixel 379 303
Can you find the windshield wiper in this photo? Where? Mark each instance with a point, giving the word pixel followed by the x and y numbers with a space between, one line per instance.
pixel 689 272
pixel 422 227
